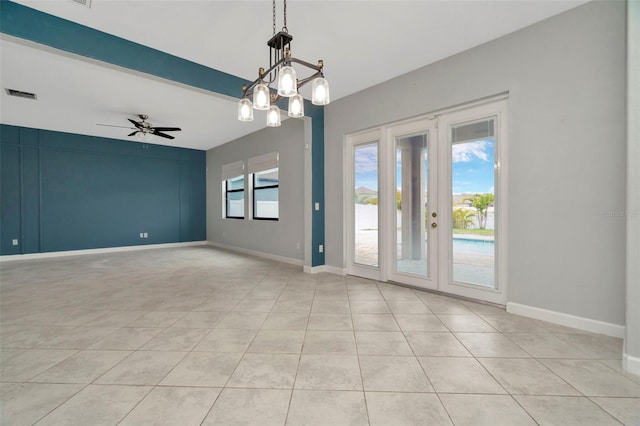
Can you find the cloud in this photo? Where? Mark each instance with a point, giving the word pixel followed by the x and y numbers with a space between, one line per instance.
pixel 366 159
pixel 466 152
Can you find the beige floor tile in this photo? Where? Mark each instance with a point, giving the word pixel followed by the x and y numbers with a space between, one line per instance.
pixel 277 342
pixel 6 387
pixel 242 320
pixel 382 343
pixel 249 407
pixel 447 307
pixel 596 346
pixel 217 304
pixel 286 321
pixel 435 344
pixel 83 367
pixel 126 338
pixel 329 372
pixel 545 345
pixel 420 322
pixel 30 363
pixel 321 321
pixel 322 408
pixel 565 411
pixel 485 410
pixel 526 377
pixel 203 319
pixel 374 322
pixel 465 323
pixel 203 369
pixel 115 319
pixel 369 307
pixel 142 368
pixel 593 378
pixel 255 305
pixel 97 405
pixel 626 410
pixel 330 306
pixel 25 404
pixel 510 323
pixel 329 343
pixel 392 373
pixel 79 337
pixel 393 292
pixel 408 307
pixel 173 406
pixel 226 340
pixel 175 339
pixel 159 319
pixel 365 294
pixel 405 409
pixel 459 375
pixel 293 305
pixel 268 371
pixel 491 345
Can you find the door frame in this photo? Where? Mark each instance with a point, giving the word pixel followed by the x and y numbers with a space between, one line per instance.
pixel 383 135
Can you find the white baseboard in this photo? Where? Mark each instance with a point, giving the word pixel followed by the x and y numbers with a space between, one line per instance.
pixel 256 253
pixel 314 269
pixel 567 320
pixel 336 270
pixel 52 254
pixel 631 364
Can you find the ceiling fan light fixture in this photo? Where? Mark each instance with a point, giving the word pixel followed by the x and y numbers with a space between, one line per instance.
pixel 287 81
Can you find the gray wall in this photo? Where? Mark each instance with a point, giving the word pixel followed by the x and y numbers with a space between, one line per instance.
pixel 566 82
pixel 279 238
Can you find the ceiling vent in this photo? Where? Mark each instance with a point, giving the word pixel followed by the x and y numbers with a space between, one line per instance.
pixel 21 94
pixel 86 3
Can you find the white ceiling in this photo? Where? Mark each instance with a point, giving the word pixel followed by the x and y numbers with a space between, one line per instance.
pixel 362 43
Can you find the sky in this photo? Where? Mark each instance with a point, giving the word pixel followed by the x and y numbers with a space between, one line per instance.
pixel 472 163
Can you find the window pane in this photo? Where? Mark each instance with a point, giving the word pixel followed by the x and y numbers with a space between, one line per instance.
pixel 266 178
pixel 266 203
pixel 365 177
pixel 235 183
pixel 235 204
pixel 472 197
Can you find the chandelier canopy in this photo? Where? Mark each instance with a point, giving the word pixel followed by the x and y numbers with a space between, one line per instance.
pixel 259 96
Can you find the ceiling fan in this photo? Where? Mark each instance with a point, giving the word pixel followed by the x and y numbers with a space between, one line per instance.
pixel 144 129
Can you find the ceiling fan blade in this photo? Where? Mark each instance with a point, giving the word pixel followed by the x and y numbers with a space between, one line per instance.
pixel 132 133
pixel 135 123
pixel 111 125
pixel 162 135
pixel 167 129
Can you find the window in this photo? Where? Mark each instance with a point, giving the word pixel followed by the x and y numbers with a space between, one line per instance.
pixel 266 182
pixel 233 189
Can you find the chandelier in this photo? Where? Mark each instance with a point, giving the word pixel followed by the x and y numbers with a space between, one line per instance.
pixel 258 94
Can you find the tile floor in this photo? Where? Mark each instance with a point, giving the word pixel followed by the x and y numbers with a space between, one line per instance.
pixel 200 336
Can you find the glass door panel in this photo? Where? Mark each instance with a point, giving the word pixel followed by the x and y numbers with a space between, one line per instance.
pixel 412 171
pixel 472 199
pixel 365 208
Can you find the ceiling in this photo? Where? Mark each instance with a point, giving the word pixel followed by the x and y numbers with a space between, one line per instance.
pixel 362 43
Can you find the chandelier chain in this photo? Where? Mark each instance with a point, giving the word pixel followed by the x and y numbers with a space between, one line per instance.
pixel 274 17
pixel 285 17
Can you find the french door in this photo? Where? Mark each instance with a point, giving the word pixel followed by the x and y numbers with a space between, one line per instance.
pixel 425 202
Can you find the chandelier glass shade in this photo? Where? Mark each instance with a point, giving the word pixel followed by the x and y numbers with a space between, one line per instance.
pixel 282 73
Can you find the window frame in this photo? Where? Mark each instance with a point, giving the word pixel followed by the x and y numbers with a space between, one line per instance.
pixel 254 199
pixel 227 191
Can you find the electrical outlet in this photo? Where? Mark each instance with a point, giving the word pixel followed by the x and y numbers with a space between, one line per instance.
pixel 321 248
pixel 14 242
pixel 146 235
pixel 318 206
pixel 141 235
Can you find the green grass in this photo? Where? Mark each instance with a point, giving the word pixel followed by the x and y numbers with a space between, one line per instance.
pixel 473 231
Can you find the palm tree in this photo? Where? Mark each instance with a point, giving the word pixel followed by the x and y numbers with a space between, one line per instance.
pixel 462 218
pixel 481 203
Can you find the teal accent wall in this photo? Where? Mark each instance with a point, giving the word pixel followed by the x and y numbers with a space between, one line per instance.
pixel 30 24
pixel 62 191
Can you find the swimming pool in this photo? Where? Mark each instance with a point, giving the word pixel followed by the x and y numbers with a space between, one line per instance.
pixel 473 246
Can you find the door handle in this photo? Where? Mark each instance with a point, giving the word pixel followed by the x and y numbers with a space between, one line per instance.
pixel 434 225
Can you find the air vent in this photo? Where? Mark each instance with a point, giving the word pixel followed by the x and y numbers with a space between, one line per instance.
pixel 86 3
pixel 21 94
